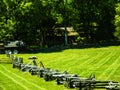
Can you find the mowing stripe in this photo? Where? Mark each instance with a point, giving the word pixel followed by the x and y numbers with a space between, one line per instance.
pixel 115 64
pixel 70 63
pixel 87 62
pixel 103 61
pixel 90 60
pixel 100 63
pixel 2 87
pixel 35 85
pixel 77 62
pixel 20 84
pixel 99 55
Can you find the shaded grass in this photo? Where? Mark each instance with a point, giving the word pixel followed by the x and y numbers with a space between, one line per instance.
pixel 103 62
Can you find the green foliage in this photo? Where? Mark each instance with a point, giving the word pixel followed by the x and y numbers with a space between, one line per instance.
pixel 29 20
pixel 117 21
pixel 99 12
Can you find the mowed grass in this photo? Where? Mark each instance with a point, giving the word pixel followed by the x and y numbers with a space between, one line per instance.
pixel 104 62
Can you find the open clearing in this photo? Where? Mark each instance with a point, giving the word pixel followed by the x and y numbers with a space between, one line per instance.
pixel 104 62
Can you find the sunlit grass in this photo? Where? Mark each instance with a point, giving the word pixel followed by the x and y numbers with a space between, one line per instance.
pixel 103 62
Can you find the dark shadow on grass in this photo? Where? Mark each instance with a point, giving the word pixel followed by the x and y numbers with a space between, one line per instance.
pixel 60 48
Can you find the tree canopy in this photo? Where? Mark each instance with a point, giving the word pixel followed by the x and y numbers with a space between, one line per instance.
pixel 33 21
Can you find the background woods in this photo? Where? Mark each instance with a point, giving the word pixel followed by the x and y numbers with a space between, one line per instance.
pixel 39 22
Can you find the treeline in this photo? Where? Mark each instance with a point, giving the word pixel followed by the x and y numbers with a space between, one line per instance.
pixel 34 21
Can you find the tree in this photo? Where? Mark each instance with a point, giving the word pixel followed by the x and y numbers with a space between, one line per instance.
pixel 26 20
pixel 95 19
pixel 106 20
pixel 117 21
pixel 6 21
pixel 63 13
pixel 29 20
pixel 32 19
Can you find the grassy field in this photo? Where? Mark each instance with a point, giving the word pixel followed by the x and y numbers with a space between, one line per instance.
pixel 104 62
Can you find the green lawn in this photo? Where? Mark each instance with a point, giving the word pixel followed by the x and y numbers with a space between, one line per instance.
pixel 103 62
